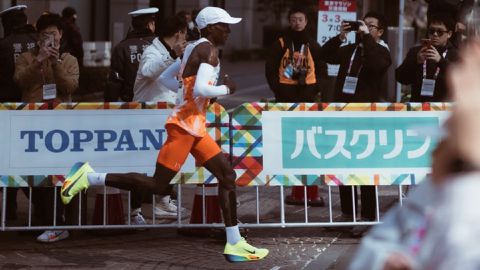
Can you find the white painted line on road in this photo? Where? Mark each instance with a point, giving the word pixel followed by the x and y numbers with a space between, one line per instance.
pixel 20 254
pixel 275 268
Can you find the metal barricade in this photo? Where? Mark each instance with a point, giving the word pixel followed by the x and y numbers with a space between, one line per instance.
pixel 181 222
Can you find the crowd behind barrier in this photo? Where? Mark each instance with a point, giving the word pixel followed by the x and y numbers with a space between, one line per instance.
pixel 239 134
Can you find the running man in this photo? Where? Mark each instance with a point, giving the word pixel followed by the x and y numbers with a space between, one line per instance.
pixel 186 132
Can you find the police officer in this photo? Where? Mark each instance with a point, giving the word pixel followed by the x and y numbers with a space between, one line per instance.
pixel 19 37
pixel 126 55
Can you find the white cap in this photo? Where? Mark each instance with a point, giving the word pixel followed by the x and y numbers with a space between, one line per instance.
pixel 17 7
pixel 213 15
pixel 143 11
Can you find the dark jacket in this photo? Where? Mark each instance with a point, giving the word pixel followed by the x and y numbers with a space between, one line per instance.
pixel 124 65
pixel 19 41
pixel 411 73
pixel 459 9
pixel 295 93
pixel 374 60
pixel 72 41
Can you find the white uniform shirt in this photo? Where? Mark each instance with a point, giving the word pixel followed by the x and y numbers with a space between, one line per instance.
pixel 155 59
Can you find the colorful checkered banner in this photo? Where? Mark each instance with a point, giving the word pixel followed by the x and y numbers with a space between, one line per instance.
pixel 350 144
pixel 269 143
pixel 38 140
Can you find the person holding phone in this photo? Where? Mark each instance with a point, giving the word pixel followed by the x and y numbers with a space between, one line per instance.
pixel 45 73
pixel 361 78
pixel 425 65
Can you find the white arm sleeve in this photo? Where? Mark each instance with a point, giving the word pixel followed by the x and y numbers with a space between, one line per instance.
pixel 202 86
pixel 169 76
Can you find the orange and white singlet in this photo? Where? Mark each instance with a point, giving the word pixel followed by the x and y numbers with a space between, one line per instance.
pixel 189 113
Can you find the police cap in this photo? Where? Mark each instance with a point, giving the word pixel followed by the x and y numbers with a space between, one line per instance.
pixel 143 11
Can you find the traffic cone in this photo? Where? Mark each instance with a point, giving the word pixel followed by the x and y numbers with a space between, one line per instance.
pixel 114 207
pixel 212 212
pixel 297 196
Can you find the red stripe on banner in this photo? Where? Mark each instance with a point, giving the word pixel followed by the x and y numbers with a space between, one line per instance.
pixel 426 107
pixel 333 178
pixel 247 177
pixel 250 163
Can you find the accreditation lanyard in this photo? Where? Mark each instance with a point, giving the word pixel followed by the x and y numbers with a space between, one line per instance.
pixel 49 90
pixel 299 60
pixel 350 84
pixel 428 85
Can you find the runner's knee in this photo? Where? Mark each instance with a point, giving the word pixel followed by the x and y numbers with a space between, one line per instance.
pixel 228 181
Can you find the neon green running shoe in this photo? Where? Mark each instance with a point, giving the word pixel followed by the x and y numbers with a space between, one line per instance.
pixel 243 252
pixel 75 181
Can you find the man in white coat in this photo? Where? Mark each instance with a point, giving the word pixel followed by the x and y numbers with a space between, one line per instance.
pixel 163 52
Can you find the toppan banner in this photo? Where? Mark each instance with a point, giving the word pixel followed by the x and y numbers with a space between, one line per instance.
pixel 349 142
pixel 50 142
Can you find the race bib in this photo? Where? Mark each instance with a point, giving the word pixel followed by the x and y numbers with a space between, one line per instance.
pixel 350 85
pixel 49 91
pixel 428 87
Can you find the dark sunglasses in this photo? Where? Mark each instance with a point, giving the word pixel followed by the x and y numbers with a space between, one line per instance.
pixel 440 32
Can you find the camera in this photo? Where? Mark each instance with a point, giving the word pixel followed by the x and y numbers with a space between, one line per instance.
pixel 354 25
pixel 300 75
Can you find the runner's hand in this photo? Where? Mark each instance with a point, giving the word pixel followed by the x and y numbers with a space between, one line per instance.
pixel 230 84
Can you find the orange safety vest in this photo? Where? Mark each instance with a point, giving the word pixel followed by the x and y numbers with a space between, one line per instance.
pixel 305 60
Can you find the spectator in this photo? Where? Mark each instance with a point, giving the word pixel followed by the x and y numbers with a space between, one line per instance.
pixel 72 41
pixel 424 66
pixel 294 71
pixel 19 38
pixel 148 87
pixel 437 227
pixel 126 55
pixel 361 78
pixel 193 33
pixel 398 242
pixel 156 58
pixel 47 74
pixel 457 10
